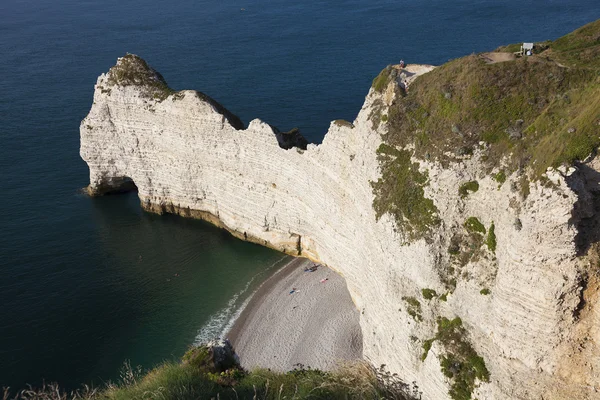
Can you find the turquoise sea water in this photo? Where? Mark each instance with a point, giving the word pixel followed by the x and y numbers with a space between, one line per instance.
pixel 88 283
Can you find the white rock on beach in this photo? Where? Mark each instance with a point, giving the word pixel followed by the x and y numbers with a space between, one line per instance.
pixel 185 157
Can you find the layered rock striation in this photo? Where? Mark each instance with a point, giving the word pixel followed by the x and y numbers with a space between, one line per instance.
pixel 524 298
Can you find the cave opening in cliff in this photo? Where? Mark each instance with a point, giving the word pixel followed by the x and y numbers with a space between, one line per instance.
pixel 118 185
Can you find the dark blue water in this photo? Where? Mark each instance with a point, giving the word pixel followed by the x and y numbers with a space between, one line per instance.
pixel 87 283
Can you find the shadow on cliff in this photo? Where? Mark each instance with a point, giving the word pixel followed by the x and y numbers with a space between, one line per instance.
pixel 586 211
pixel 112 185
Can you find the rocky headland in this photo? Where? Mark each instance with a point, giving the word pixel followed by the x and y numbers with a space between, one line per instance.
pixel 460 206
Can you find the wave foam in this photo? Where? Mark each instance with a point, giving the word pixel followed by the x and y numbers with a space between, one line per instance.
pixel 221 322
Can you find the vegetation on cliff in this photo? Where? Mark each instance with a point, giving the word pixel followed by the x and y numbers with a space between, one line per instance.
pixel 400 193
pixel 132 70
pixel 198 376
pixel 460 362
pixel 531 113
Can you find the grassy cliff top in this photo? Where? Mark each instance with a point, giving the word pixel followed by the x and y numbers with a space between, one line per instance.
pixel 544 110
pixel 531 113
pixel 132 70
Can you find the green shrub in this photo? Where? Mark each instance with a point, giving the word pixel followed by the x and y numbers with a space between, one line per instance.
pixel 413 308
pixel 469 187
pixel 460 362
pixel 198 357
pixel 491 239
pixel 428 294
pixel 500 177
pixel 473 225
pixel 426 347
pixel 485 291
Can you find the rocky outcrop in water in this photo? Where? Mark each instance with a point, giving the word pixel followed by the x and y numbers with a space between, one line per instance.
pixel 521 321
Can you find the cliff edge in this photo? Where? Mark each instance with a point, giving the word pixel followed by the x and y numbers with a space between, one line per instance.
pixel 460 205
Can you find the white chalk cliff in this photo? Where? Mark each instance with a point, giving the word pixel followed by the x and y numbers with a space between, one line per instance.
pixel 537 330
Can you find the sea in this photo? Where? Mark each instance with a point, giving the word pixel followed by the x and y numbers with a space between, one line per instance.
pixel 88 284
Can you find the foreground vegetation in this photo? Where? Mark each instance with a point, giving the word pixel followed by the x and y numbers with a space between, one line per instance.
pixel 197 377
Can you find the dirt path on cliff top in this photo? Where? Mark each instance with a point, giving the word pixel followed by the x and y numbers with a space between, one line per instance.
pixel 497 57
pixel 316 325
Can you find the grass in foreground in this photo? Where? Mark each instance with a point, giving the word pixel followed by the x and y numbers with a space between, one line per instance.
pixel 196 377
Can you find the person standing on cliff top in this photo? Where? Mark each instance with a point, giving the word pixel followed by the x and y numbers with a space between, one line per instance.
pixel 402 64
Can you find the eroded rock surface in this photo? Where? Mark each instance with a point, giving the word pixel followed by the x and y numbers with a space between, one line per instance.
pixel 533 324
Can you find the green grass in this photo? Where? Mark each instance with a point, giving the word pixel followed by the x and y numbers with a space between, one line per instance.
pixel 426 347
pixel 400 192
pixel 467 188
pixel 500 177
pixel 473 225
pixel 182 382
pixel 196 378
pixel 491 238
pixel 381 81
pixel 580 48
pixel 169 381
pixel 428 294
pixel 460 362
pixel 413 308
pixel 488 101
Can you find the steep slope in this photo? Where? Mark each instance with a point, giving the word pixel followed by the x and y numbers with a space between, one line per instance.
pixel 467 251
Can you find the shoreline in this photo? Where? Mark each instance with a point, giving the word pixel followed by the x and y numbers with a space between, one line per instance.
pixel 247 313
pixel 316 325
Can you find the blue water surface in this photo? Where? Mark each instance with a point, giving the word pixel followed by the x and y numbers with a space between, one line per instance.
pixel 88 283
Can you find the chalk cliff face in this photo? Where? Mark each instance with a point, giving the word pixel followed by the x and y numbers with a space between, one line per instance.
pixel 537 329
